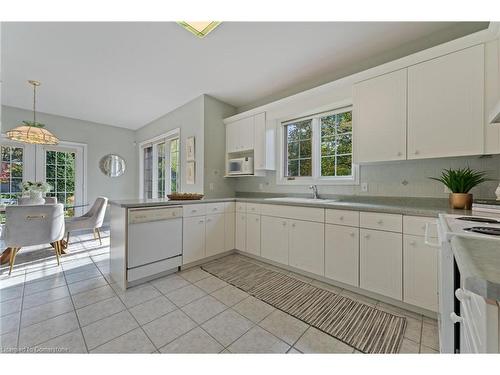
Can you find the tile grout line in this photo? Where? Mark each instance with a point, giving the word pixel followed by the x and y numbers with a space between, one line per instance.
pixel 74 310
pixel 21 314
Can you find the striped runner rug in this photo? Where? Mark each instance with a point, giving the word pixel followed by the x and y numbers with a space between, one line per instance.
pixel 358 325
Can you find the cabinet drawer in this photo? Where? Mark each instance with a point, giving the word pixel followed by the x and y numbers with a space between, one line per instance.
pixel 342 217
pixel 195 210
pixel 416 225
pixel 294 212
pixel 375 220
pixel 253 208
pixel 229 207
pixel 241 207
pixel 214 208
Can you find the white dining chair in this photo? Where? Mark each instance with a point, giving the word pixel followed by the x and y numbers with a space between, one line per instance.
pixel 25 200
pixel 30 225
pixel 93 219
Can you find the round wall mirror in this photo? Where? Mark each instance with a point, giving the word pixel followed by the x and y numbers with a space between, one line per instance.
pixel 112 165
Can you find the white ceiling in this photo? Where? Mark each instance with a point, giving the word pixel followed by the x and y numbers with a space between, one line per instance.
pixel 128 74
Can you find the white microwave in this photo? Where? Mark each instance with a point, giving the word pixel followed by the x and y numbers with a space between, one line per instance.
pixel 240 166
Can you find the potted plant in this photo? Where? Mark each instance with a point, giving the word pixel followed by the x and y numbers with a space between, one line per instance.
pixel 35 190
pixel 460 181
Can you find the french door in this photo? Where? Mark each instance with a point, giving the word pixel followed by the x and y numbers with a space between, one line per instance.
pixel 159 167
pixel 62 167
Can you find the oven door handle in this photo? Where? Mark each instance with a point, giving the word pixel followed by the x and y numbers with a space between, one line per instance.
pixel 427 241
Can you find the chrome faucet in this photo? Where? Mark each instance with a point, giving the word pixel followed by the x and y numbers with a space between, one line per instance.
pixel 314 189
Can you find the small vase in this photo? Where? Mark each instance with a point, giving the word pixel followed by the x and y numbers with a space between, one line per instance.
pixel 36 198
pixel 461 201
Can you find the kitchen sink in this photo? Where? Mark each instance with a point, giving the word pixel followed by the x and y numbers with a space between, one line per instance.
pixel 301 200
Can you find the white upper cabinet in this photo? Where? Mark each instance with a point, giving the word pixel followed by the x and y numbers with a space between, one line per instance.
pixel 240 135
pixel 379 118
pixel 446 105
pixel 260 141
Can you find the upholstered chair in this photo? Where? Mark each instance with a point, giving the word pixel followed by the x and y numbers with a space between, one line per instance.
pixel 48 200
pixel 93 219
pixel 33 225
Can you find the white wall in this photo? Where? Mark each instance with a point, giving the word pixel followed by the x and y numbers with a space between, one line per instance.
pixel 189 118
pixel 216 186
pixel 100 139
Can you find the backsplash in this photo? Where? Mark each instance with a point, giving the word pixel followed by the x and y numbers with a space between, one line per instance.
pixel 402 178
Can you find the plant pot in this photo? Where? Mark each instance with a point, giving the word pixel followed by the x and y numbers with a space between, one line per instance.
pixel 35 197
pixel 461 201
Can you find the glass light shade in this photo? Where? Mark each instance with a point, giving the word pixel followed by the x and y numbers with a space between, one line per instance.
pixel 32 134
pixel 199 28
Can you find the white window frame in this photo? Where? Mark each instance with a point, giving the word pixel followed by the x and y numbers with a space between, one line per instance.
pixel 316 177
pixel 166 137
pixel 35 169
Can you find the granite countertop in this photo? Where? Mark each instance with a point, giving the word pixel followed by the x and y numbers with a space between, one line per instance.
pixel 429 207
pixel 478 260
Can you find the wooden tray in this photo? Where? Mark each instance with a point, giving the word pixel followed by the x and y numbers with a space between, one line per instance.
pixel 184 196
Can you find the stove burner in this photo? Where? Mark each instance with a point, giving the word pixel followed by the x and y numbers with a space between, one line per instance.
pixel 484 230
pixel 479 219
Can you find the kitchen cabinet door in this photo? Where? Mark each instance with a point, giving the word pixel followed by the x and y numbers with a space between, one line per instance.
pixel 253 234
pixel 420 270
pixel 260 141
pixel 241 231
pixel 232 137
pixel 307 246
pixel 193 239
pixel 342 254
pixel 246 134
pixel 381 262
pixel 379 118
pixel 274 239
pixel 215 234
pixel 229 223
pixel 446 105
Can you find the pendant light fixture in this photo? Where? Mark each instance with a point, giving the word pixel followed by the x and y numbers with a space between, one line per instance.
pixel 32 131
pixel 199 28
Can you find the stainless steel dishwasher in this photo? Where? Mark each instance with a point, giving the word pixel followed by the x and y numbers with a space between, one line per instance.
pixel 154 241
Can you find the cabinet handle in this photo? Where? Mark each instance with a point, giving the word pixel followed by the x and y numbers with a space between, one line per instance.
pixel 209 220
pixel 416 152
pixel 351 234
pixel 193 211
pixel 283 223
pixel 456 318
pixel 462 295
pixel 201 221
pixel 367 236
pixel 380 222
pixel 400 153
pixel 257 219
pixel 341 218
pixel 293 225
pixel 413 243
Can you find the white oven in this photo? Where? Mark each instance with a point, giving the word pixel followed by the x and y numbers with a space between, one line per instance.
pixel 240 166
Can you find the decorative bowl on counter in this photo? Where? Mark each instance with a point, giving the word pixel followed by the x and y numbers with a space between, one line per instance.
pixel 184 196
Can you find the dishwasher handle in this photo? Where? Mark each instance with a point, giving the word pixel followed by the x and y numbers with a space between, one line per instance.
pixel 139 216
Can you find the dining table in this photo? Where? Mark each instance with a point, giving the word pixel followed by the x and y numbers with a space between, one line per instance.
pixel 5 256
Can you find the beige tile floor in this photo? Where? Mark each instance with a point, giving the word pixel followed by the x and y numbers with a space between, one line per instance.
pixel 76 308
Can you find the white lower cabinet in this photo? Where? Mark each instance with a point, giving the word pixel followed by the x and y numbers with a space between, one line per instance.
pixel 307 246
pixel 274 239
pixel 342 254
pixel 229 231
pixel 240 232
pixel 381 262
pixel 420 265
pixel 193 239
pixel 215 234
pixel 253 234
